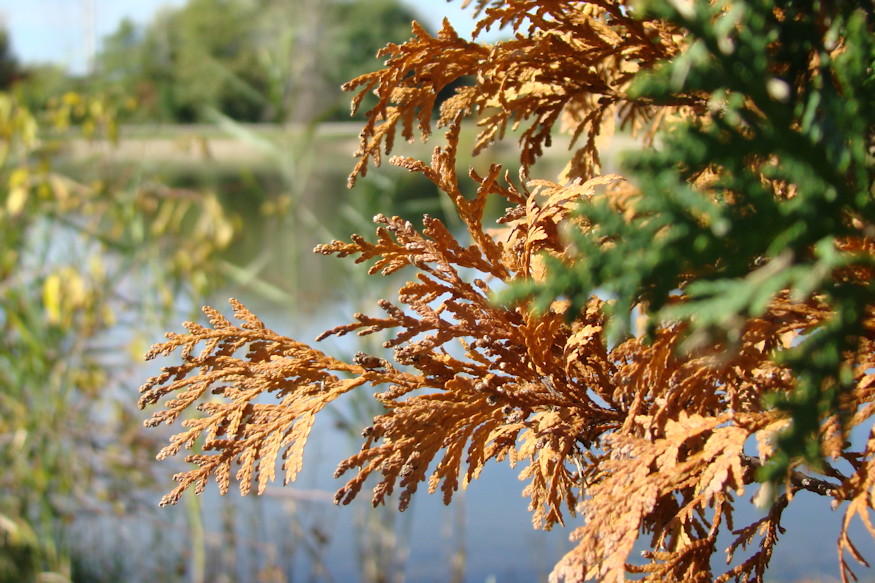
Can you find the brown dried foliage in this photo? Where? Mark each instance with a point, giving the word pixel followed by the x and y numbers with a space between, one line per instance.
pixel 639 438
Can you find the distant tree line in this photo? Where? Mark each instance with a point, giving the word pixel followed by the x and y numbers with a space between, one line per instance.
pixel 251 60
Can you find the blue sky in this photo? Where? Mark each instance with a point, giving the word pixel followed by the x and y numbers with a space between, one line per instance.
pixel 57 30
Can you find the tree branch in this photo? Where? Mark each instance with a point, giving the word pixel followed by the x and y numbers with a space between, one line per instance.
pixel 798 480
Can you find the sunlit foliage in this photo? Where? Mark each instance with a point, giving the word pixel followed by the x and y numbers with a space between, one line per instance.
pixel 667 341
pixel 73 254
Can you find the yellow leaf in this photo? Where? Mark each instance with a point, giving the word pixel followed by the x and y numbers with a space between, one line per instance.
pixel 52 298
pixel 16 200
pixel 72 98
pixel 75 288
pixel 18 177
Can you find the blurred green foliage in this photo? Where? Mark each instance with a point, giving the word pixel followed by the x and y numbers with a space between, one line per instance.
pixel 791 107
pixel 74 257
pixel 251 60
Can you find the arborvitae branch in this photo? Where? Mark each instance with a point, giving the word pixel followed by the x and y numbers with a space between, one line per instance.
pixel 651 319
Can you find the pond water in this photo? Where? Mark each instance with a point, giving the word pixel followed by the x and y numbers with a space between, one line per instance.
pixel 295 533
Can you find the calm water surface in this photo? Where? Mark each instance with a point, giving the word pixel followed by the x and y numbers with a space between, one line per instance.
pixel 297 534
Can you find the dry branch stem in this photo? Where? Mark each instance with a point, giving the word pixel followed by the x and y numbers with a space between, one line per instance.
pixel 797 480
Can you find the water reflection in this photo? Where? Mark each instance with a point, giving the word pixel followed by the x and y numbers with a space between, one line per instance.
pixel 296 533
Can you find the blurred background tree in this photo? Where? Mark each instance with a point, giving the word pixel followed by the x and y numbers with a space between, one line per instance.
pixel 252 60
pixel 10 69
